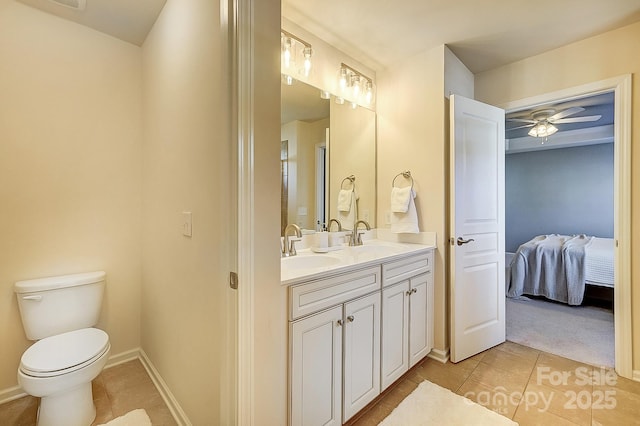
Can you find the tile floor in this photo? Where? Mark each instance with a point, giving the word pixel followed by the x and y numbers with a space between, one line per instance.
pixel 540 389
pixel 116 391
pixel 526 385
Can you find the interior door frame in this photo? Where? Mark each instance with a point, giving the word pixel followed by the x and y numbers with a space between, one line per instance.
pixel 621 87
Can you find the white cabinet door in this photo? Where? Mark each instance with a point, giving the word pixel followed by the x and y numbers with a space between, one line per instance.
pixel 361 369
pixel 418 320
pixel 316 369
pixel 395 332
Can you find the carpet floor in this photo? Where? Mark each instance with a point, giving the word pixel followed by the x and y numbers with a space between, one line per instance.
pixel 581 333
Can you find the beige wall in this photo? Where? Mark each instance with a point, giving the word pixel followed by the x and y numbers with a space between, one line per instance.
pixel 608 55
pixel 411 136
pixel 70 155
pixel 270 314
pixel 187 167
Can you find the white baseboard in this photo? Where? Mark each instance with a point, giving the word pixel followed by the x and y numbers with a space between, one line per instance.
pixel 439 355
pixel 15 392
pixel 636 375
pixel 176 411
pixel 9 394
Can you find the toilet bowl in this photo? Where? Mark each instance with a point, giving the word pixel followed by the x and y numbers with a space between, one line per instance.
pixel 59 313
pixel 62 378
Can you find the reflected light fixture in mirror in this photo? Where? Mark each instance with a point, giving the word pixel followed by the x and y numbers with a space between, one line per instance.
pixel 355 87
pixel 295 56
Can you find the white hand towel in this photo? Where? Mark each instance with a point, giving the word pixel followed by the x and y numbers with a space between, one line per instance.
pixel 348 216
pixel 406 223
pixel 400 198
pixel 344 200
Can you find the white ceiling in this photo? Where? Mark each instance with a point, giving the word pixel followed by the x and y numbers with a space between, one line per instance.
pixel 483 34
pixel 128 20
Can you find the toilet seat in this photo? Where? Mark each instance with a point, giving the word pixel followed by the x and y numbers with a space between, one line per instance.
pixel 64 353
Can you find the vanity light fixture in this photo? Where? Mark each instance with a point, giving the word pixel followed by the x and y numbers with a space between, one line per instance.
pixel 355 86
pixel 295 55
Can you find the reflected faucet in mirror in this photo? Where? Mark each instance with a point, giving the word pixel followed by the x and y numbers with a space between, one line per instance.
pixel 289 246
pixel 337 222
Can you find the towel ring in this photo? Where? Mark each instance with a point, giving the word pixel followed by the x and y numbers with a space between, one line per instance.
pixel 351 179
pixel 406 175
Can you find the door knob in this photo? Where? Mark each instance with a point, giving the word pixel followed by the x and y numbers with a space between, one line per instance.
pixel 460 241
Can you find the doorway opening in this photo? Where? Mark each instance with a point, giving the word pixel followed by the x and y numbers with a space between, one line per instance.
pixel 619 88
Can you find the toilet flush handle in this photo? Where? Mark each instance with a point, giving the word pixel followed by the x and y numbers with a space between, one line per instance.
pixel 36 297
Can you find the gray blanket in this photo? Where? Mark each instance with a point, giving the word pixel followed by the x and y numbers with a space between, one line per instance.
pixel 551 266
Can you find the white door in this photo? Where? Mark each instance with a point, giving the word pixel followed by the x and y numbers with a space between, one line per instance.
pixel 316 369
pixel 476 271
pixel 361 368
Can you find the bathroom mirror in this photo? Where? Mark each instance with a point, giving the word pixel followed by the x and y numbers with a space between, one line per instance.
pixel 323 142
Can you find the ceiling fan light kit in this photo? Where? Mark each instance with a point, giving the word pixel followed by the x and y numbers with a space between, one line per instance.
pixel 543 122
pixel 542 130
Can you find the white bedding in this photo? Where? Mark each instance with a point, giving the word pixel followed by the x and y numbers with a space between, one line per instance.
pixel 599 260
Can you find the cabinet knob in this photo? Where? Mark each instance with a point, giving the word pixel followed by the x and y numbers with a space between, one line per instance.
pixel 350 318
pixel 414 290
pixel 339 322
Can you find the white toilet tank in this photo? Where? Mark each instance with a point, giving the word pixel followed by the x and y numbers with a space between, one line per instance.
pixel 55 305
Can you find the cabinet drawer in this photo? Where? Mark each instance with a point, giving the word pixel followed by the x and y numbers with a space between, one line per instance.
pixel 314 296
pixel 398 270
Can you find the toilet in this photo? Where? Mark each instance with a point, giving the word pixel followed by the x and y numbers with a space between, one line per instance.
pixel 59 313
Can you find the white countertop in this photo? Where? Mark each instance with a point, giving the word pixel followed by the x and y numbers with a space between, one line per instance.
pixel 308 264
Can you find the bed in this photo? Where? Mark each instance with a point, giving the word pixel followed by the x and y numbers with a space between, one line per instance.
pixel 559 267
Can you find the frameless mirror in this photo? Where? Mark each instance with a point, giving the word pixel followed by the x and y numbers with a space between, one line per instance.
pixel 322 144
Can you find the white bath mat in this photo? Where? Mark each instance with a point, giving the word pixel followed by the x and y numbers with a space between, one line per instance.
pixel 431 404
pixel 137 417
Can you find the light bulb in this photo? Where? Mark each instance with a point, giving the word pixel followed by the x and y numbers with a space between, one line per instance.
pixel 355 83
pixel 307 61
pixel 289 80
pixel 354 105
pixel 368 93
pixel 287 52
pixel 343 79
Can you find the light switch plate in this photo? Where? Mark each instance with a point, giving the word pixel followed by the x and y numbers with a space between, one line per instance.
pixel 186 224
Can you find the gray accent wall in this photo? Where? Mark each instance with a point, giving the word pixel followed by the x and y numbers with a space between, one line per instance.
pixel 559 191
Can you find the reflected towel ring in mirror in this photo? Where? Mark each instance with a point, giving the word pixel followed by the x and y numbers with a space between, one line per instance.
pixel 406 175
pixel 351 179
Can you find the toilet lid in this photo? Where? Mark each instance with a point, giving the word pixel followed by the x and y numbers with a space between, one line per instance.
pixel 68 351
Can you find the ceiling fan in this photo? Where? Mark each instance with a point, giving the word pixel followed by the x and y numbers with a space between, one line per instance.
pixel 542 121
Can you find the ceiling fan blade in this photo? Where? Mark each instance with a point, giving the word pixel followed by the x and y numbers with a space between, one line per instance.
pixel 578 119
pixel 522 120
pixel 521 127
pixel 565 113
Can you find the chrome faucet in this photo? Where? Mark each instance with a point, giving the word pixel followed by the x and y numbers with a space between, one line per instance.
pixel 337 222
pixel 289 248
pixel 356 237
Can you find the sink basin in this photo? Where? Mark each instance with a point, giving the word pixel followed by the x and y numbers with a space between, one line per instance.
pixel 309 262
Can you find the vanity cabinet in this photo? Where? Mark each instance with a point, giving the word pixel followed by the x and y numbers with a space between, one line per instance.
pixel 354 332
pixel 407 315
pixel 334 353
